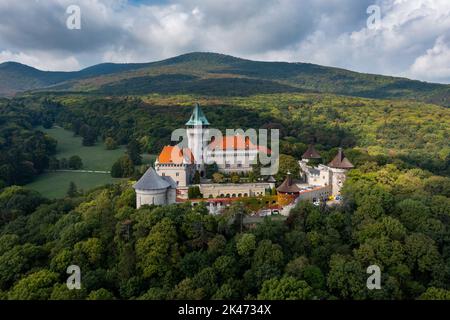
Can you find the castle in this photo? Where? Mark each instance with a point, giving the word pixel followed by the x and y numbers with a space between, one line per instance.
pixel 332 175
pixel 317 182
pixel 154 189
pixel 176 166
pixel 232 154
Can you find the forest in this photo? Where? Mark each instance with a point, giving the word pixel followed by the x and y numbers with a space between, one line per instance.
pixel 395 218
pixel 395 214
pixel 24 152
pixel 414 134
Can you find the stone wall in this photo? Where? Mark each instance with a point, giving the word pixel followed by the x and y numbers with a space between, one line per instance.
pixel 156 197
pixel 180 173
pixel 234 190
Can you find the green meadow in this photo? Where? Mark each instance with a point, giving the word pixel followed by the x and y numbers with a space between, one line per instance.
pixel 97 158
pixel 94 158
pixel 55 184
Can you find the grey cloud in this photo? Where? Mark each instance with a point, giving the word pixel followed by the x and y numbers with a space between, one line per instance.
pixel 331 32
pixel 41 25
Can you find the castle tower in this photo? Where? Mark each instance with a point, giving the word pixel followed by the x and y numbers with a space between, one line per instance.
pixel 311 154
pixel 287 191
pixel 339 167
pixel 197 130
pixel 153 189
pixel 307 161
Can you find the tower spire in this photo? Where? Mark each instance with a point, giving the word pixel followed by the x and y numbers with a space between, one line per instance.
pixel 198 118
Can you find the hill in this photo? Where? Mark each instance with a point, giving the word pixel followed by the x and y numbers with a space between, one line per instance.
pixel 214 74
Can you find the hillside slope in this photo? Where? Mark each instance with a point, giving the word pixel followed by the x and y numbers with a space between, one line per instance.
pixel 217 74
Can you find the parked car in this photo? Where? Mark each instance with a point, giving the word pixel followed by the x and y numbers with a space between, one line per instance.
pixel 265 213
pixel 316 203
pixel 339 198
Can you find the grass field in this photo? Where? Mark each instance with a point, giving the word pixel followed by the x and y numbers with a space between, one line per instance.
pixel 94 158
pixel 55 184
pixel 97 158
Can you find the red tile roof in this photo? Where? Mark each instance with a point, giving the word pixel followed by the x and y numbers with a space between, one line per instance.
pixel 340 161
pixel 288 186
pixel 311 153
pixel 173 154
pixel 237 142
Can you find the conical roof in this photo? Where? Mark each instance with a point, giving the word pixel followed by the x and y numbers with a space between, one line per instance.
pixel 340 161
pixel 151 181
pixel 198 118
pixel 311 153
pixel 288 186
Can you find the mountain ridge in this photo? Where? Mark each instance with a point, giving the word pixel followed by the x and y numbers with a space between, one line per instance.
pixel 210 73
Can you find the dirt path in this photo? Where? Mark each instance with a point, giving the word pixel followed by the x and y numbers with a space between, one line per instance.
pixel 81 171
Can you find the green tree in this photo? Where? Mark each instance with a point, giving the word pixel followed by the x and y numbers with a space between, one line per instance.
pixel 187 290
pixel 134 152
pixel 63 164
pixel 75 163
pixel 35 286
pixel 100 294
pixel 158 253
pixel 61 292
pixel 194 193
pixel 225 267
pixel 110 143
pixel 197 178
pixel 267 262
pixel 286 288
pixel 235 178
pixel 287 164
pixel 89 135
pixel 435 294
pixel 73 190
pixel 347 278
pixel 210 170
pixel 246 244
pixel 53 164
pixel 218 177
pixel 122 168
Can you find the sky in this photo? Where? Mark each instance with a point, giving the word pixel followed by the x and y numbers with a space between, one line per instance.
pixel 411 38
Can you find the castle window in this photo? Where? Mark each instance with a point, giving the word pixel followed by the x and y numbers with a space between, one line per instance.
pixel 177 174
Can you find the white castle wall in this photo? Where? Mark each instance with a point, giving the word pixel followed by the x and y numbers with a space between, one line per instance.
pixel 180 173
pixel 324 176
pixel 234 190
pixel 338 178
pixel 158 197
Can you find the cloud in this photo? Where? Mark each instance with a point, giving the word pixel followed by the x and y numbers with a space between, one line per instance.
pixel 41 60
pixel 434 64
pixel 413 35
